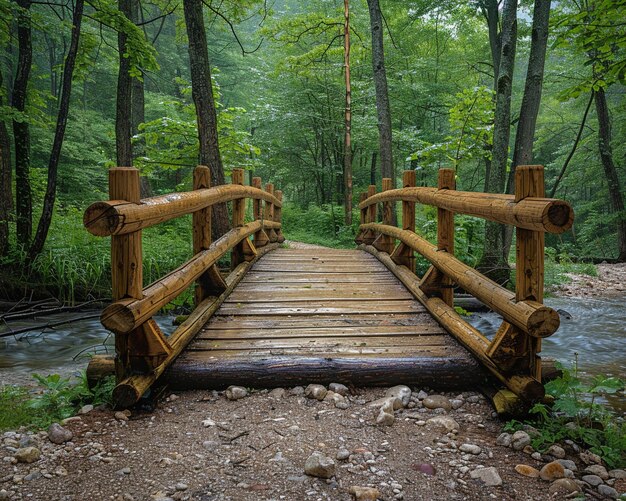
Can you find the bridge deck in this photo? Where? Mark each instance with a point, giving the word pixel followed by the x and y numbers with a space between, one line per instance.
pixel 322 315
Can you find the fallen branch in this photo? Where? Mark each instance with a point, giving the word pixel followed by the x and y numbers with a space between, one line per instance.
pixel 49 325
pixel 46 311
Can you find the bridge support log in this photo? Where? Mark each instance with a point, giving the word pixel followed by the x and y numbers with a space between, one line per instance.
pixel 403 254
pixel 385 243
pixel 369 236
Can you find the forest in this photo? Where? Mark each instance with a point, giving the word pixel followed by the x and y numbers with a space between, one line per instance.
pixel 322 98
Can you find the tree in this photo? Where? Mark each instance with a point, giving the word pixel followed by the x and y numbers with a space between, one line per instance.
pixel 206 115
pixel 123 124
pixel 347 153
pixel 6 190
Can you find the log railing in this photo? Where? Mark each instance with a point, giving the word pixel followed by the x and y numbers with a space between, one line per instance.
pixel 512 356
pixel 142 351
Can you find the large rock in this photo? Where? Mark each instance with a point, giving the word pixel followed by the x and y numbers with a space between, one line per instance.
pixel 339 388
pixel 437 402
pixel 319 465
pixel 28 455
pixel 489 476
pixel 315 391
pixel 504 439
pixel 59 435
pixel 563 486
pixel 597 469
pixel 556 451
pixel 552 471
pixel 607 492
pixel 527 471
pixel 470 449
pixel 402 392
pixel 519 440
pixel 443 422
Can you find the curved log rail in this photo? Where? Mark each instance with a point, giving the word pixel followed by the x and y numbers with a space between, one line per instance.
pixel 512 356
pixel 142 351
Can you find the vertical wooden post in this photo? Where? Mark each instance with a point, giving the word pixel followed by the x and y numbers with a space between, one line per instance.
pixel 239 212
pixel 359 236
pixel 269 213
pixel 260 237
pixel 201 221
pixel 126 258
pixel 278 216
pixel 385 243
pixel 402 254
pixel 529 182
pixel 369 236
pixel 445 232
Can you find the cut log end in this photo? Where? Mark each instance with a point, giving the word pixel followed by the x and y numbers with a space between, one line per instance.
pixel 543 322
pixel 125 395
pixel 526 387
pixel 118 318
pixel 101 219
pixel 558 217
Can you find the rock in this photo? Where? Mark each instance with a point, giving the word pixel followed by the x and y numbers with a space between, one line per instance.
pixel 519 440
pixel 456 403
pixel 339 388
pixel 59 435
pixel 123 471
pixel 425 468
pixel 395 402
pixel 180 486
pixel 342 454
pixel 402 392
pixel 319 465
pixel 556 451
pixel 597 469
pixel 28 455
pixel 593 480
pixel 567 464
pixel 277 393
pixel 607 492
pixel 86 409
pixel 489 476
pixel 527 471
pixel 364 493
pixel 445 422
pixel 552 471
pixel 60 471
pixel 120 416
pixel 236 392
pixel 504 439
pixel 422 395
pixel 589 457
pixel 385 416
pixel 620 474
pixel 316 391
pixel 437 402
pixel 208 422
pixel 33 475
pixel 563 486
pixel 297 391
pixel 470 449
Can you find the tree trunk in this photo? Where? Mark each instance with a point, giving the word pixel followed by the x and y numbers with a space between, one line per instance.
pixel 21 129
pixel 206 115
pixel 606 155
pixel 59 134
pixel 347 152
pixel 493 262
pixel 124 96
pixel 373 168
pixel 6 190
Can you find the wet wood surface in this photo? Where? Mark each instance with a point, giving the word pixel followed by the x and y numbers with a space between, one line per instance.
pixel 322 315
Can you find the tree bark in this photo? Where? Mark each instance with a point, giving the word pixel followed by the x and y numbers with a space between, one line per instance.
pixel 21 129
pixel 206 115
pixel 123 128
pixel 59 134
pixel 612 178
pixel 493 262
pixel 6 190
pixel 373 168
pixel 347 152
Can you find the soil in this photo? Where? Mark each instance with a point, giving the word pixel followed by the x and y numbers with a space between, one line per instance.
pixel 610 282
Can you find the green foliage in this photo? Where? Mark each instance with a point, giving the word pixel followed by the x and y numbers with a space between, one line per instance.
pixel 319 225
pixel 559 264
pixel 577 415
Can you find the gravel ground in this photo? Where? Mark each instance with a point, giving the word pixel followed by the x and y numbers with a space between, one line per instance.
pixel 610 282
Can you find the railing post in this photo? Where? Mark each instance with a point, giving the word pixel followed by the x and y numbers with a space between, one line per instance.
pixel 359 236
pixel 369 236
pixel 529 182
pixel 239 212
pixel 260 237
pixel 385 243
pixel 269 213
pixel 278 216
pixel 445 232
pixel 402 254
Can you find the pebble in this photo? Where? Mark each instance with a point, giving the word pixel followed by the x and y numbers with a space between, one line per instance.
pixel 385 416
pixel 504 439
pixel 319 465
pixel 123 471
pixel 588 457
pixel 180 486
pixel 552 471
pixel 86 409
pixel 527 471
pixel 342 454
pixel 236 392
pixel 364 493
pixel 597 469
pixel 556 451
pixel 567 464
pixel 277 393
pixel 470 449
pixel 422 395
pixel 28 455
pixel 607 491
pixel 593 480
pixel 620 474
pixel 395 402
pixel 120 416
pixel 519 440
pixel 437 402
pixel 456 403
pixel 208 423
pixel 297 391
pixel 59 435
pixel 445 422
pixel 563 486
pixel 315 391
pixel 401 392
pixel 489 476
pixel 339 388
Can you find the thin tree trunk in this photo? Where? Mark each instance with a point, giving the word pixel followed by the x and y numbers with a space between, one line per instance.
pixel 612 178
pixel 21 129
pixel 206 115
pixel 6 190
pixel 493 262
pixel 124 96
pixel 347 152
pixel 373 168
pixel 59 135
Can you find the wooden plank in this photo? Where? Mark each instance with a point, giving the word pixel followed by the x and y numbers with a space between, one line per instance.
pixel 295 277
pixel 320 307
pixel 315 295
pixel 316 268
pixel 318 286
pixel 310 332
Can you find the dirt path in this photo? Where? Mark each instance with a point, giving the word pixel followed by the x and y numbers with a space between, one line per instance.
pixel 610 282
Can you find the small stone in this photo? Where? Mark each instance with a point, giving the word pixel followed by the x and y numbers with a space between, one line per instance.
pixel 59 435
pixel 422 395
pixel 445 422
pixel 86 409
pixel 597 469
pixel 208 422
pixel 4 494
pixel 28 455
pixel 342 454
pixel 607 492
pixel 589 457
pixel 33 475
pixel 120 416
pixel 364 493
pixel 319 465
pixel 180 486
pixel 567 464
pixel 489 476
pixel 400 391
pixel 385 416
pixel 210 445
pixel 297 391
pixel 456 403
pixel 61 471
pixel 536 456
pixel 556 451
pixel 519 440
pixel 593 480
pixel 437 402
pixel 123 471
pixel 470 449
pixel 339 388
pixel 236 392
pixel 528 450
pixel 563 486
pixel 620 474
pixel 277 393
pixel 395 402
pixel 504 439
pixel 527 471
pixel 552 471
pixel 315 391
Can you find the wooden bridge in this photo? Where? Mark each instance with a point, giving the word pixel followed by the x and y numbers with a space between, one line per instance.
pixel 289 316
